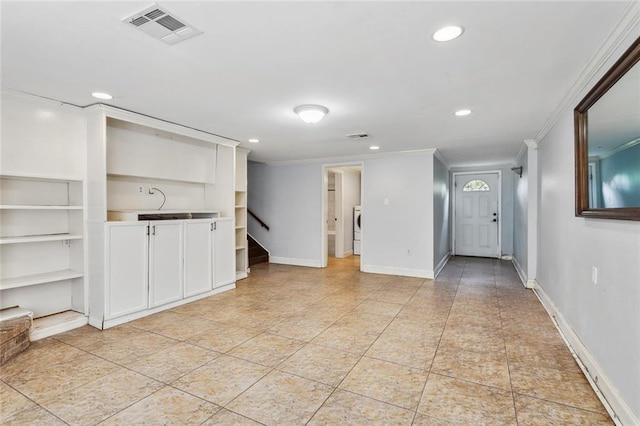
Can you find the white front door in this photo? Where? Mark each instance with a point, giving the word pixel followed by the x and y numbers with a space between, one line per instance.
pixel 477 214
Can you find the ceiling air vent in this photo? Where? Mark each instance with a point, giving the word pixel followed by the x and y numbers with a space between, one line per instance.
pixel 160 24
pixel 358 136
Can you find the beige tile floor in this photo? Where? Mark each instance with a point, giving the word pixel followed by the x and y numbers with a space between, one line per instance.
pixel 294 346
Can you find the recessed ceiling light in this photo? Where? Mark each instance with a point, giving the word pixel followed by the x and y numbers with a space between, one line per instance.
pixel 254 140
pixel 374 147
pixel 101 95
pixel 448 33
pixel 462 112
pixel 311 113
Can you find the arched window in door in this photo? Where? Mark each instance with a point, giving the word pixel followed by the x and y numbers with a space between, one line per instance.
pixel 476 185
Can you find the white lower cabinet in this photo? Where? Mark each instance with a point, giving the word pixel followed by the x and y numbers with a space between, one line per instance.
pixel 150 264
pixel 224 254
pixel 127 268
pixel 198 257
pixel 165 262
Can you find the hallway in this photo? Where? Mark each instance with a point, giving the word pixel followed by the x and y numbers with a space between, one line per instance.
pixel 295 345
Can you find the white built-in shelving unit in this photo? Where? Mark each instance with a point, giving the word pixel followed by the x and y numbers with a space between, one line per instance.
pixel 43 244
pixel 242 249
pixel 63 168
pixel 144 262
pixel 42 248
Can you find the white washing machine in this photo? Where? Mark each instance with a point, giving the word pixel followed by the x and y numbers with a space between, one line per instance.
pixel 357 213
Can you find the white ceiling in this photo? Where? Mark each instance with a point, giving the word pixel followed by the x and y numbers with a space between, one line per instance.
pixel 373 64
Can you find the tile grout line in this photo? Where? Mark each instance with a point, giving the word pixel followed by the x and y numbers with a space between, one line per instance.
pixel 435 354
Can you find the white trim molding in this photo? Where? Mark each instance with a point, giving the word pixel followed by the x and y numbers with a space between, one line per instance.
pixel 405 272
pixel 441 264
pixel 613 402
pixel 594 66
pixel 527 283
pixel 312 263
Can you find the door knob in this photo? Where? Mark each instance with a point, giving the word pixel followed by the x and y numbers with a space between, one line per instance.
pixel 495 214
pixel 494 220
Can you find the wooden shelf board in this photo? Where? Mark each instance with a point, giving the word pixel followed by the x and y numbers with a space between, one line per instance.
pixel 39 238
pixel 57 323
pixel 35 279
pixel 159 178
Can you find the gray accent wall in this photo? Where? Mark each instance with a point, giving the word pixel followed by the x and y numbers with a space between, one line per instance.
pixel 520 215
pixel 441 210
pixel 289 200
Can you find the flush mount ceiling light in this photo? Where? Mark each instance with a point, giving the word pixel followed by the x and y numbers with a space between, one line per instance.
pixel 254 140
pixel 462 112
pixel 448 33
pixel 101 95
pixel 311 113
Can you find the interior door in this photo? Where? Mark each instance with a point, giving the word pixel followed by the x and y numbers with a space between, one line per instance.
pixel 477 214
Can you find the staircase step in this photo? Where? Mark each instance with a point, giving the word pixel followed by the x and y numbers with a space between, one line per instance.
pixel 258 259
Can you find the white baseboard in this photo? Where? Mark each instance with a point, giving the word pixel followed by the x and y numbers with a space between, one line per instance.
pixel 405 272
pixel 441 264
pixel 506 257
pixel 51 328
pixel 520 271
pixel 103 325
pixel 615 405
pixel 295 262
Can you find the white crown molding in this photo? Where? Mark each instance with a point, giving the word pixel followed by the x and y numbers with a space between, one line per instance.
pixel 439 156
pixel 351 158
pixel 629 22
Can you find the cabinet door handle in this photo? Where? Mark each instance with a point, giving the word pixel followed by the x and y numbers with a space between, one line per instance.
pixel 153 229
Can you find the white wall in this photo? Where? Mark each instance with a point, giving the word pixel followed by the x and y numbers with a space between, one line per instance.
pixel 604 317
pixel 289 200
pixel 398 238
pixel 42 137
pixel 441 216
pixel 506 210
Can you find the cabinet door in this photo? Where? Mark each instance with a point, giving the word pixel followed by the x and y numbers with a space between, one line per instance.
pixel 198 257
pixel 126 269
pixel 224 269
pixel 165 262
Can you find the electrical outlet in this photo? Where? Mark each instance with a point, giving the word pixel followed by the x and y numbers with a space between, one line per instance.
pixel 408 252
pixel 140 190
pixel 594 275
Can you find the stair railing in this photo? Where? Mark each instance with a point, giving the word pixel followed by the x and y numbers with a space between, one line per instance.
pixel 260 221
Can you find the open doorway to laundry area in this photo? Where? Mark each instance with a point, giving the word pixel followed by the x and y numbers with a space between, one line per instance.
pixel 342 189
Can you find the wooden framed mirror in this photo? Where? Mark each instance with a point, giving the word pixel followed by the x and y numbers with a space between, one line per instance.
pixel 607 143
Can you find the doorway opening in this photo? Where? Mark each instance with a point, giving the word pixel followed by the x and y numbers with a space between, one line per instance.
pixel 477 229
pixel 342 191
